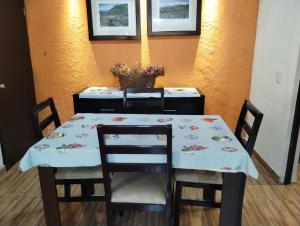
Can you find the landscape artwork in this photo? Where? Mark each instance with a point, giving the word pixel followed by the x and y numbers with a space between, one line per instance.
pixel 174 9
pixel 174 17
pixel 114 19
pixel 114 15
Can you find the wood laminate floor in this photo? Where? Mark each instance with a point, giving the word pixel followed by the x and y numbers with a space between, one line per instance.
pixel 265 204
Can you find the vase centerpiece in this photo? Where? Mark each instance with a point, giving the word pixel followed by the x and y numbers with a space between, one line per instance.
pixel 137 76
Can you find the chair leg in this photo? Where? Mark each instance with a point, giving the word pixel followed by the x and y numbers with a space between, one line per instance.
pixel 169 216
pixel 87 189
pixel 178 193
pixel 209 195
pixel 109 215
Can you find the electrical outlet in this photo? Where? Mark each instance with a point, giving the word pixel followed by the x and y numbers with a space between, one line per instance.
pixel 278 77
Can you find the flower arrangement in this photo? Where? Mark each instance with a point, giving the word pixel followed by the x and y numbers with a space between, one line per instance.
pixel 137 77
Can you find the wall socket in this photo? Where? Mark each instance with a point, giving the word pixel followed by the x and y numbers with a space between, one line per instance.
pixel 278 77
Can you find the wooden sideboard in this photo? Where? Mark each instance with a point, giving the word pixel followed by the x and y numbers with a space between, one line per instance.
pixel 173 105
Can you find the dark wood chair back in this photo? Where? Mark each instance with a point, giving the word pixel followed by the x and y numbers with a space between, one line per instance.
pixel 105 150
pixel 243 126
pixel 40 126
pixel 144 105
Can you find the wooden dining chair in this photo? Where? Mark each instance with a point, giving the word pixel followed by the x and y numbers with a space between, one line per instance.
pixel 246 133
pixel 146 105
pixel 137 186
pixel 87 177
pixel 210 181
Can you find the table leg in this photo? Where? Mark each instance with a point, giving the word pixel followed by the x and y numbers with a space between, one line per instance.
pixel 49 196
pixel 232 199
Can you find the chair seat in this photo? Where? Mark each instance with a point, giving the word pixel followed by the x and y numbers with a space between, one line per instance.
pixel 199 176
pixel 66 173
pixel 144 188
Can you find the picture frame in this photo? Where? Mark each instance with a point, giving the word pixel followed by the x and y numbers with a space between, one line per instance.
pixel 113 19
pixel 174 17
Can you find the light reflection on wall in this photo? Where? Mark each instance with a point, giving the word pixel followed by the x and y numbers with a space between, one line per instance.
pixel 209 34
pixel 211 9
pixel 74 7
pixel 74 14
pixel 145 56
pixel 76 42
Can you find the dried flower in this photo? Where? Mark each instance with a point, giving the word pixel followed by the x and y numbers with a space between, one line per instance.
pixel 154 70
pixel 120 70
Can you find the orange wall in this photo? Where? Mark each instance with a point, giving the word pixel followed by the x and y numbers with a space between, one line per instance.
pixel 218 63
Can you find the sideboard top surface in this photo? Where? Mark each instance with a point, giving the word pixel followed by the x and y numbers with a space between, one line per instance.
pixel 115 93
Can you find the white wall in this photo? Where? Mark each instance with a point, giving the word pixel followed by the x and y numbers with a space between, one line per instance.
pixel 274 76
pixel 1 160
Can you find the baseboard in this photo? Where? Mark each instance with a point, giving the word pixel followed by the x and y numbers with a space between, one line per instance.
pixel 267 167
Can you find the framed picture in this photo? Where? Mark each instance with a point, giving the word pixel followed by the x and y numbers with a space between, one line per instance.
pixel 113 19
pixel 174 17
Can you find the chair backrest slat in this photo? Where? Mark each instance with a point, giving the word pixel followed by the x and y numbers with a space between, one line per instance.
pixel 251 131
pixel 143 105
pixel 141 129
pixel 144 90
pixel 136 149
pixel 252 109
pixel 38 126
pixel 147 168
pixel 46 122
pixel 246 126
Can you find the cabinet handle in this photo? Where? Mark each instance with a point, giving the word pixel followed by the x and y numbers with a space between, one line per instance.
pixel 171 110
pixel 107 109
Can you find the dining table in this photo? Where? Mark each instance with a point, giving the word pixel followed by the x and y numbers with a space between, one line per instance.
pixel 200 142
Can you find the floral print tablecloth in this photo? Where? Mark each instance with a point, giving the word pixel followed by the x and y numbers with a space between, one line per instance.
pixel 114 93
pixel 199 142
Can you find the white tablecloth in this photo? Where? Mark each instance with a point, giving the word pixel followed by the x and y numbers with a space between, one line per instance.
pixel 114 93
pixel 199 142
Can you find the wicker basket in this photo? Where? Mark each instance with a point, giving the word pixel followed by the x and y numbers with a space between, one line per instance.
pixel 140 81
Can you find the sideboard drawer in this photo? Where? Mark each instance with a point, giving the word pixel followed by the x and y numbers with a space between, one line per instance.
pixel 97 105
pixel 184 106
